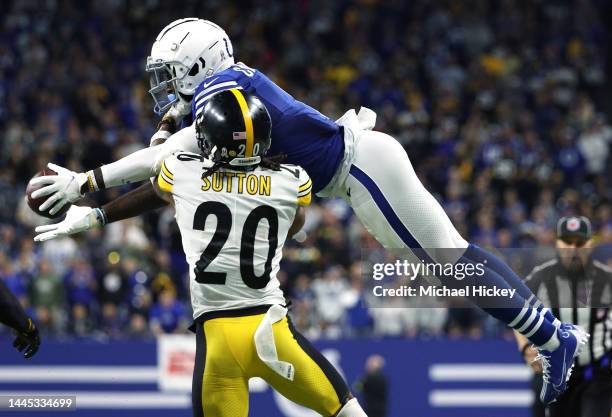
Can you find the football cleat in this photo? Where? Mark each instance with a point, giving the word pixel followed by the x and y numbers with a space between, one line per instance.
pixel 557 365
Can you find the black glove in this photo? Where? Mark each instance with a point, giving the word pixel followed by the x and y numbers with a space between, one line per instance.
pixel 27 342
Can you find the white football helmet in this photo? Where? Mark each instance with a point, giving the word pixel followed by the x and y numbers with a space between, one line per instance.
pixel 183 55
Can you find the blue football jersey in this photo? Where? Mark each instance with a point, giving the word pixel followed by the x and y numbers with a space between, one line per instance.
pixel 307 137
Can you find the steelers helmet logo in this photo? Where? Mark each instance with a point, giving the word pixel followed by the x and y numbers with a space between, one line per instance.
pixel 573 224
pixel 232 153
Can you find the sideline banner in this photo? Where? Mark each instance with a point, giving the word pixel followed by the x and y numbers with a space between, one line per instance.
pixel 435 378
pixel 175 361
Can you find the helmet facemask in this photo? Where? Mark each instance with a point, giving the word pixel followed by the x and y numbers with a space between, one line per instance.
pixel 204 144
pixel 168 78
pixel 163 80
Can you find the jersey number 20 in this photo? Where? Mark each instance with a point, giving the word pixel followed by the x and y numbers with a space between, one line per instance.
pixel 247 243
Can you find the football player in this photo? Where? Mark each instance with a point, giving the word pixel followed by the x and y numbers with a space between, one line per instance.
pixel 27 339
pixel 193 59
pixel 234 213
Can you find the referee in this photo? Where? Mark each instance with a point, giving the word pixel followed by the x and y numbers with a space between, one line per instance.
pixel 579 290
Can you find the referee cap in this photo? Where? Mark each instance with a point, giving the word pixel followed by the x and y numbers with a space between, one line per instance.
pixel 574 226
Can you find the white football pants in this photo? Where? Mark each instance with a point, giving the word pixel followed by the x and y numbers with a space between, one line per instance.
pixel 383 189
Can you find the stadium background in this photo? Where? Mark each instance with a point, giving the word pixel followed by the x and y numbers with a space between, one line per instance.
pixel 504 108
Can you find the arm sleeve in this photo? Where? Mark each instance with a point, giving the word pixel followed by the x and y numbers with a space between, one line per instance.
pixel 11 312
pixel 146 163
pixel 135 202
pixel 304 195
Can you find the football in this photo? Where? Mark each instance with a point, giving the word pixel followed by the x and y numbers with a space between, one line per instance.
pixel 35 203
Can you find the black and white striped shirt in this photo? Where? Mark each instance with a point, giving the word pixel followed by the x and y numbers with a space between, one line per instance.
pixel 583 299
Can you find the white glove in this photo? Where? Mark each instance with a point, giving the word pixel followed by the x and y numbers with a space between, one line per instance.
pixel 78 219
pixel 65 187
pixel 178 110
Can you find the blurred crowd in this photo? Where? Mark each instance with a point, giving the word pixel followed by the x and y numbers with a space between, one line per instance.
pixel 500 106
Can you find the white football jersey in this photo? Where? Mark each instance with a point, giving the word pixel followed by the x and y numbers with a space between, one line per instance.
pixel 233 227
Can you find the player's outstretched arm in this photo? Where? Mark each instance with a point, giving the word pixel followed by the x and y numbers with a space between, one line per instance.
pixel 68 186
pixel 138 201
pixel 12 314
pixel 82 218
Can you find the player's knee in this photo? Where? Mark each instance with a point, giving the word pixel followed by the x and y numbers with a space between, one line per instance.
pixel 351 409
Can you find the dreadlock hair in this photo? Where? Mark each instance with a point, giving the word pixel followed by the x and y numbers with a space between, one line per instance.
pixel 272 162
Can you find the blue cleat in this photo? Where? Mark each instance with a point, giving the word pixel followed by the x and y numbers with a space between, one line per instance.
pixel 557 365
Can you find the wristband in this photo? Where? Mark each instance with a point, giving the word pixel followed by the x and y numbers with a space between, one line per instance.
pixel 88 185
pixel 95 181
pixel 100 216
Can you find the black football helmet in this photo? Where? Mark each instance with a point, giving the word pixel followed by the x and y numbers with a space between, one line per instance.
pixel 234 127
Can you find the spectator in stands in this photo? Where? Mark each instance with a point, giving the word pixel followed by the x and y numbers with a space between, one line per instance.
pixel 48 298
pixel 168 314
pixel 330 302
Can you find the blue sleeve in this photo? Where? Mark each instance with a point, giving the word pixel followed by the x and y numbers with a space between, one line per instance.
pixel 214 84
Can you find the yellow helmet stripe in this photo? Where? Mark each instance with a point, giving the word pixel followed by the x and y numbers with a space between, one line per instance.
pixel 248 122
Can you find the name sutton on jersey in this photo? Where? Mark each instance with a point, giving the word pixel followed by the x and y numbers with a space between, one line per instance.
pixel 240 182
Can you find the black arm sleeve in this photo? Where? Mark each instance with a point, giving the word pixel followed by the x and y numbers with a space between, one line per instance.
pixel 137 201
pixel 11 312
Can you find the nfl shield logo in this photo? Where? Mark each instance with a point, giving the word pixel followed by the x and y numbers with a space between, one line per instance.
pixel 573 224
pixel 239 136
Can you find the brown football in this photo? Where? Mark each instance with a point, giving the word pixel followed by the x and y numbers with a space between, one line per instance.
pixel 34 203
